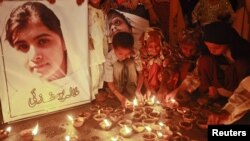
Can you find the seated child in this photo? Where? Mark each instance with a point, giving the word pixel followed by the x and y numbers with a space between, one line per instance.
pixel 188 50
pixel 121 66
pixel 157 63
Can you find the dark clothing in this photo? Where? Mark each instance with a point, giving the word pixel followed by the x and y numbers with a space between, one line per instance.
pixel 214 71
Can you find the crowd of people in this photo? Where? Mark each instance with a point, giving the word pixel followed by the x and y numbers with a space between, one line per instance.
pixel 130 56
pixel 211 59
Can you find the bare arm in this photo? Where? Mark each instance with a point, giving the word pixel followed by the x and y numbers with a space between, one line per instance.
pixel 117 93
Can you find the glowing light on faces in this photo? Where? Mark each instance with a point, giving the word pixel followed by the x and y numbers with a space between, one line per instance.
pixel 188 50
pixel 153 46
pixel 216 49
pixel 117 24
pixel 122 53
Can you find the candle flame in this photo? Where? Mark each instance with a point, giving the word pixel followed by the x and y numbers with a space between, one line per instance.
pixel 158 102
pixel 35 130
pixel 161 123
pixel 135 102
pixel 153 99
pixel 8 129
pixel 172 100
pixel 67 138
pixel 114 138
pixel 70 118
pixel 127 130
pixel 148 128
pixel 107 122
pixel 159 134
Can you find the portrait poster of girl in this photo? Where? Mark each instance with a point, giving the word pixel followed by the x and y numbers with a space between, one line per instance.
pixel 44 57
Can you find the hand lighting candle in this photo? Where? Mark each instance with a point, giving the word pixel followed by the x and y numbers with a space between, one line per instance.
pixel 28 134
pixel 4 133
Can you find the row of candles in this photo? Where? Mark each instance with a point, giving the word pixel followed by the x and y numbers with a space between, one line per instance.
pixel 105 124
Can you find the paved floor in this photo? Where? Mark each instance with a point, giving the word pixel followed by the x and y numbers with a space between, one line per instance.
pixel 54 127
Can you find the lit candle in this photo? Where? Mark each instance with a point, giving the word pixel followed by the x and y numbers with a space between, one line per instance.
pixel 151 101
pixel 149 136
pixel 126 131
pixel 161 124
pixel 28 134
pixel 159 134
pixel 70 118
pixel 70 129
pixel 35 130
pixel 135 103
pixel 116 138
pixel 69 138
pixel 99 116
pixel 99 112
pixel 105 124
pixel 8 129
pixel 173 103
pixel 148 129
pixel 4 133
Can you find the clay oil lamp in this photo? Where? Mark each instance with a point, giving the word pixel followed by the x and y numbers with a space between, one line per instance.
pixel 180 138
pixel 95 108
pixel 154 115
pixel 149 136
pixel 148 121
pixel 202 123
pixel 78 121
pixel 126 131
pixel 116 138
pixel 107 110
pixel 105 124
pixel 188 117
pixel 137 116
pixel 5 133
pixel 29 134
pixel 138 110
pixel 148 109
pixel 69 138
pixel 99 116
pixel 138 127
pixel 125 122
pixel 183 110
pixel 174 128
pixel 185 125
pixel 120 110
pixel 85 115
pixel 115 117
pixel 150 101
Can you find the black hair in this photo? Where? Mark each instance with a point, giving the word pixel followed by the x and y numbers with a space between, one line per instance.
pixel 21 16
pixel 124 40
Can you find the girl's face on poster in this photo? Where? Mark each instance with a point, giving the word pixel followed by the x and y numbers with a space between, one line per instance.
pixel 153 46
pixel 45 50
pixel 117 24
pixel 216 49
pixel 188 50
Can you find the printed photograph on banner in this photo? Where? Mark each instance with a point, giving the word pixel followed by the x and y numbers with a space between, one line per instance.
pixel 44 57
